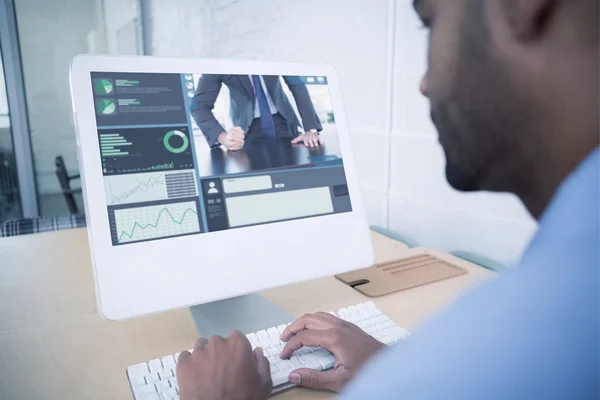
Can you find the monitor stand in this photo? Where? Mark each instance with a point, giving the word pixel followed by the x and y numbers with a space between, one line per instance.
pixel 249 313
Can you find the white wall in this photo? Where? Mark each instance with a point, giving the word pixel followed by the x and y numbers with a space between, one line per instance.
pixel 354 36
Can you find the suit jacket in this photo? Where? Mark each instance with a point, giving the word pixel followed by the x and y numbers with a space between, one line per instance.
pixel 242 103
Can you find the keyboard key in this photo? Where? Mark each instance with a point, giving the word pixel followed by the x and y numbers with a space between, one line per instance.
pixel 273 333
pixel 274 368
pixel 152 378
pixel 304 351
pixel 155 365
pixel 138 371
pixel 295 361
pixel 281 328
pixel 327 362
pixel 253 339
pixel 172 393
pixel 285 366
pixel 279 378
pixel 137 382
pixel 344 314
pixel 162 386
pixel 168 362
pixel 313 364
pixel 144 391
pixel 152 396
pixel 320 353
pixel 166 374
pixel 262 335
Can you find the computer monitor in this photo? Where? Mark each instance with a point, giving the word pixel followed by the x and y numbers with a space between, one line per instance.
pixel 175 219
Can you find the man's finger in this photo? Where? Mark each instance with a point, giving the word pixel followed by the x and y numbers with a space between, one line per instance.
pixel 313 338
pixel 299 138
pixel 262 364
pixel 200 343
pixel 328 380
pixel 307 321
pixel 183 356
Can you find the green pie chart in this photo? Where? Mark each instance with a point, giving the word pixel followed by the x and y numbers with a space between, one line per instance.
pixel 184 145
pixel 103 86
pixel 106 107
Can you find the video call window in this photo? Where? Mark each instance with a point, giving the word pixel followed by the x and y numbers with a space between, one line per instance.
pixel 166 174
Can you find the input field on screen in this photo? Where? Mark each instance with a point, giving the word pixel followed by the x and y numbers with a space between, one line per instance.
pixel 278 206
pixel 250 184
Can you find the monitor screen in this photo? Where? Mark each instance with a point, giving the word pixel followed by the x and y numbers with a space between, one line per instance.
pixel 168 172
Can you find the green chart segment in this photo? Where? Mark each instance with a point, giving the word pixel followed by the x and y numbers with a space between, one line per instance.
pixel 103 86
pixel 106 107
pixel 155 222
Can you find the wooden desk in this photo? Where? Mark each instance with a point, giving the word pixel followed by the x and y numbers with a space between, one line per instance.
pixel 54 345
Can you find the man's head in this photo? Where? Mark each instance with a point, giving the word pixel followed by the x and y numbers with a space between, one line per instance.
pixel 510 83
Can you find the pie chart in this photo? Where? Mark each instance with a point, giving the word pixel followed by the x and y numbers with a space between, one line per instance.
pixel 103 86
pixel 176 141
pixel 106 107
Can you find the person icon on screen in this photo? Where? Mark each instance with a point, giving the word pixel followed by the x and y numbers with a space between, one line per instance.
pixel 212 188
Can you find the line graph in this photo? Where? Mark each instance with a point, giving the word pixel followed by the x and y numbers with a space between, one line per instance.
pixel 135 188
pixel 150 186
pixel 153 222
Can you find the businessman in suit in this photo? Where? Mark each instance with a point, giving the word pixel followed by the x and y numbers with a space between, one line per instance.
pixel 259 108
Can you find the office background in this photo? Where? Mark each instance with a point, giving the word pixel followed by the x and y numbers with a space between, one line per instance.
pixel 376 46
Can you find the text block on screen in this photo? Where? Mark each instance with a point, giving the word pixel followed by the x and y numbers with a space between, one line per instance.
pixel 250 184
pixel 270 207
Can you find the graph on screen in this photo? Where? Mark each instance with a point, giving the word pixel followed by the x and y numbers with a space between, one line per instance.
pixel 155 222
pixel 151 186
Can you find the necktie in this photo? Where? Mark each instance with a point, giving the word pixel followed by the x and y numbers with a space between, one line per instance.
pixel 266 118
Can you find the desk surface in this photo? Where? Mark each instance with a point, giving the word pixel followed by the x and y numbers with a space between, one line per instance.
pixel 54 345
pixel 267 155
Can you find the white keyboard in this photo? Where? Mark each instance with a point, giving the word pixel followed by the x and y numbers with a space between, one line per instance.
pixel 156 380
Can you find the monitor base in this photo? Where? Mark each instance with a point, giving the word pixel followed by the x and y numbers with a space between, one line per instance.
pixel 249 313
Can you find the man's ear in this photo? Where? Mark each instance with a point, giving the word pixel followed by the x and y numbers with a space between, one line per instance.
pixel 526 19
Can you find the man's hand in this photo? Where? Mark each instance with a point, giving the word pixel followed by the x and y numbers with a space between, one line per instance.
pixel 233 139
pixel 224 369
pixel 310 139
pixel 351 346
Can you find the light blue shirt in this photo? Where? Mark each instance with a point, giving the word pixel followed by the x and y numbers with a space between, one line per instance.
pixel 533 333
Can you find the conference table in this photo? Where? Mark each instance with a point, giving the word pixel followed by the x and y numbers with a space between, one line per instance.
pixel 55 345
pixel 267 155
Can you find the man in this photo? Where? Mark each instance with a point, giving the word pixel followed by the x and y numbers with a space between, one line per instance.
pixel 513 87
pixel 259 108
